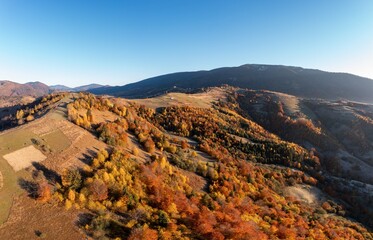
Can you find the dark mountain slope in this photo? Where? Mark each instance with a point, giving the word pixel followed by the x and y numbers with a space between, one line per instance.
pixel 154 86
pixel 292 80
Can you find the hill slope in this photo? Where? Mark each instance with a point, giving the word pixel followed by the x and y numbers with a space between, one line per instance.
pixel 63 88
pixel 292 80
pixel 12 89
pixel 176 170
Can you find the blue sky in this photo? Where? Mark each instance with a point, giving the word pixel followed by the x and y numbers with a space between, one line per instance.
pixel 117 42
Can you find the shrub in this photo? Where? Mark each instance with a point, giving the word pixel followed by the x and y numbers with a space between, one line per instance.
pixel 98 189
pixel 71 178
pixel 149 145
pixel 135 151
pixel 29 118
pixel 44 191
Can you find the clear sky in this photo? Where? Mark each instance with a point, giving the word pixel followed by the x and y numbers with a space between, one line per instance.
pixel 117 42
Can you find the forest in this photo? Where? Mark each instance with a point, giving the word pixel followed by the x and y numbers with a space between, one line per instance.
pixel 154 197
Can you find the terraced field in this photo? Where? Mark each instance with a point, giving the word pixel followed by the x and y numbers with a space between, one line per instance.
pixel 20 147
pixel 64 145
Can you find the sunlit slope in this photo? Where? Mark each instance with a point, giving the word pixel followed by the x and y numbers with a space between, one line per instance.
pixel 255 184
pixel 22 137
pixel 47 144
pixel 193 168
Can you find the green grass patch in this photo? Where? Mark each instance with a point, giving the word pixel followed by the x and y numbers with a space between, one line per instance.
pixel 57 141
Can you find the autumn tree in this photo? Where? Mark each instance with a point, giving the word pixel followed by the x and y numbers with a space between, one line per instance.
pixel 20 114
pixel 143 232
pixel 29 118
pixel 71 178
pixel 44 191
pixel 98 189
pixel 149 145
pixel 90 115
pixel 184 144
pixel 135 151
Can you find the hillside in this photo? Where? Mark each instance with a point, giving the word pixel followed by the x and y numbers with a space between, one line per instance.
pixel 62 88
pixel 296 81
pixel 179 166
pixel 340 131
pixel 36 89
pixel 12 89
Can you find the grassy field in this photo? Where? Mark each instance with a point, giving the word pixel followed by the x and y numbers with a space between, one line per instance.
pixel 202 100
pixel 19 138
pixel 57 141
pixel 24 157
pixel 10 142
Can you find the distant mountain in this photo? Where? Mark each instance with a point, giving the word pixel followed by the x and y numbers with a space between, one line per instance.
pixel 37 89
pixel 61 88
pixel 88 87
pixel 297 81
pixel 12 89
pixel 76 89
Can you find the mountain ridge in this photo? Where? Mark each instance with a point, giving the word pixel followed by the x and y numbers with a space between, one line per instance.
pixel 301 82
pixel 12 89
pixel 59 87
pixel 37 89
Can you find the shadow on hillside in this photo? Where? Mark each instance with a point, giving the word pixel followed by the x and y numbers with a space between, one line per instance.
pixel 102 228
pixel 7 117
pixel 50 175
pixel 7 114
pixel 89 155
pixel 84 219
pixel 29 186
pixel 86 159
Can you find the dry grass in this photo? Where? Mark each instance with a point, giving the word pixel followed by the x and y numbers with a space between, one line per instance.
pixel 50 127
pixel 57 140
pixel 305 193
pixel 100 116
pixel 24 157
pixel 1 180
pixel 10 141
pixel 12 101
pixel 30 218
pixel 202 100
